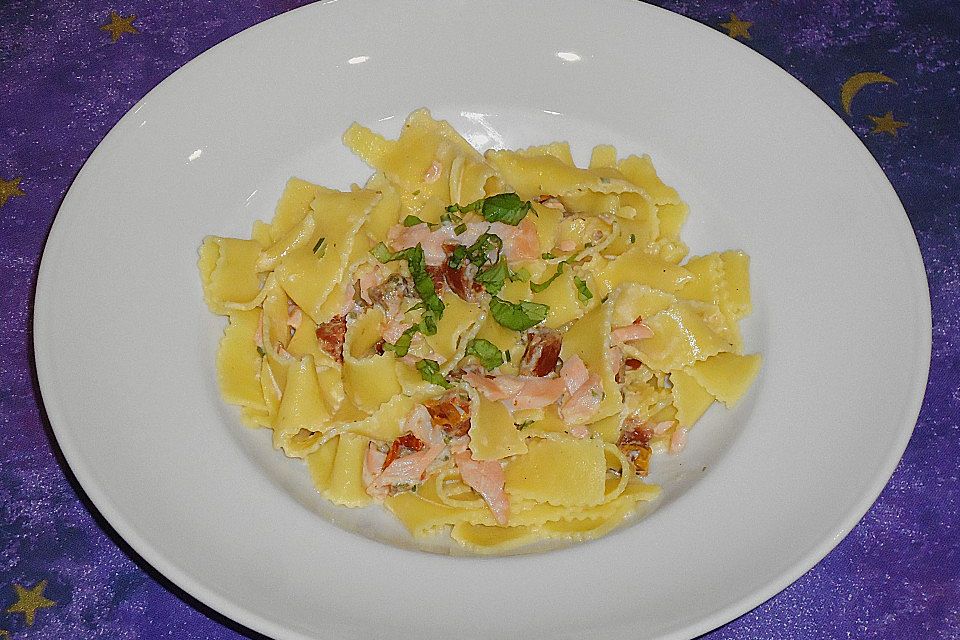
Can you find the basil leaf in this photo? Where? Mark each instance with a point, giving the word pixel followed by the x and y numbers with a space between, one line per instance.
pixel 488 354
pixel 402 345
pixel 477 253
pixel 412 221
pixel 537 287
pixel 450 218
pixel 520 274
pixel 520 316
pixel 318 245
pixel 427 324
pixel 473 206
pixel 384 255
pixel 582 289
pixel 430 371
pixel 457 257
pixel 493 278
pixel 547 256
pixel 422 281
pixel 505 207
pixel 523 425
pixel 460 228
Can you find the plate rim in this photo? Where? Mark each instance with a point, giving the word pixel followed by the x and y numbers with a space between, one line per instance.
pixel 115 519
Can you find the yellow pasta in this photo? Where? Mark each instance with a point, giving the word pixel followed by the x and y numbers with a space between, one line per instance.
pixel 491 346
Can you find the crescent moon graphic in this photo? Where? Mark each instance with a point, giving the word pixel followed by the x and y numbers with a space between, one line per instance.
pixel 858 81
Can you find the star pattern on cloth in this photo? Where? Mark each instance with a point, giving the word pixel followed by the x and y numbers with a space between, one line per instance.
pixel 4 634
pixel 30 600
pixel 886 124
pixel 737 28
pixel 119 25
pixel 9 189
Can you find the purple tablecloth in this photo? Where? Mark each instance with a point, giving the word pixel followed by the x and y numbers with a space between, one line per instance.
pixel 69 69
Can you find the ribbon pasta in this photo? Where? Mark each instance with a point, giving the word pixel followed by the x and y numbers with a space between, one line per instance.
pixel 492 346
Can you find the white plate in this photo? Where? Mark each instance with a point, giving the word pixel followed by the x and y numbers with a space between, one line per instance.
pixel 125 347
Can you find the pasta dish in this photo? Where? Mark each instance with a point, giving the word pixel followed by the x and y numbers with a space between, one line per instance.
pixel 494 346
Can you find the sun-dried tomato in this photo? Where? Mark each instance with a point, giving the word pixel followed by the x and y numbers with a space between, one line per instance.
pixel 331 335
pixel 450 412
pixel 405 443
pixel 635 444
pixel 542 353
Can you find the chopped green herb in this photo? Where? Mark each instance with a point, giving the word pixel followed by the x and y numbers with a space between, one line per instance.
pixel 493 278
pixel 523 425
pixel 261 352
pixel 416 193
pixel 507 354
pixel 422 281
pixel 460 228
pixel 430 371
pixel 520 274
pixel 412 221
pixel 503 207
pixel 457 257
pixel 450 218
pixel 402 345
pixel 547 256
pixel 633 238
pixel 477 253
pixel 537 287
pixel 582 289
pixel 476 205
pixel 427 324
pixel 588 245
pixel 520 316
pixel 488 354
pixel 384 255
pixel 318 245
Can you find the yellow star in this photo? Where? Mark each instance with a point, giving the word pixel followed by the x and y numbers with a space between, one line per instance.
pixel 29 600
pixel 9 188
pixel 119 26
pixel 737 28
pixel 886 124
